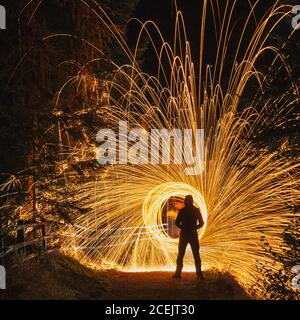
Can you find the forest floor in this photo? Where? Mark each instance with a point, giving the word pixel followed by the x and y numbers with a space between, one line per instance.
pixel 59 277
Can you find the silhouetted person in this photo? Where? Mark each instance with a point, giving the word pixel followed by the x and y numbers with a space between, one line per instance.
pixel 189 220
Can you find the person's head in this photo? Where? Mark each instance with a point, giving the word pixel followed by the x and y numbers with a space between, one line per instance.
pixel 188 201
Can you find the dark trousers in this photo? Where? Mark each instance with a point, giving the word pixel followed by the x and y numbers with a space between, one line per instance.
pixel 184 240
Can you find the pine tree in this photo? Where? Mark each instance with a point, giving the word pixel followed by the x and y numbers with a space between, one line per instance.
pixel 34 136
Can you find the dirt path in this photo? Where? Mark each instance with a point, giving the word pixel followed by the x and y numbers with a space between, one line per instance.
pixel 160 285
pixel 59 277
pixel 150 285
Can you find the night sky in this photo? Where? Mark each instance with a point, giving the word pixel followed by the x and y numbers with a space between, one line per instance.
pixel 163 14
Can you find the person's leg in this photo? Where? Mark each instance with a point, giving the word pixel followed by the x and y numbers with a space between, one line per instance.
pixel 181 252
pixel 195 249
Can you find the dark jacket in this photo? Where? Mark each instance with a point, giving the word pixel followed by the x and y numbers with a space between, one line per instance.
pixel 189 219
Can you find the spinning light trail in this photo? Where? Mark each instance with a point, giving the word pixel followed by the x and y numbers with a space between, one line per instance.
pixel 244 194
pixel 242 197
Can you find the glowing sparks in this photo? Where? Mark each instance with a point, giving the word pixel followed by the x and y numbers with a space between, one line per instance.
pixel 243 198
pixel 243 195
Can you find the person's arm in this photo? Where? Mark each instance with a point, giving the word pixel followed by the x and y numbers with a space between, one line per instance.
pixel 178 220
pixel 200 220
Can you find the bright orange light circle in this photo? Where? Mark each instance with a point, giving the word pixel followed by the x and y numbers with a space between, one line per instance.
pixel 154 202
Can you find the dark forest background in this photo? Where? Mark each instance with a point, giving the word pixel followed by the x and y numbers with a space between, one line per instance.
pixel 32 71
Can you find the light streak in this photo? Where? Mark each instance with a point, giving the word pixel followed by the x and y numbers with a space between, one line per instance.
pixel 244 195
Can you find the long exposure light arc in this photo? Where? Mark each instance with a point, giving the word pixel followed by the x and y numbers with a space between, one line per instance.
pixel 155 200
pixel 244 196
